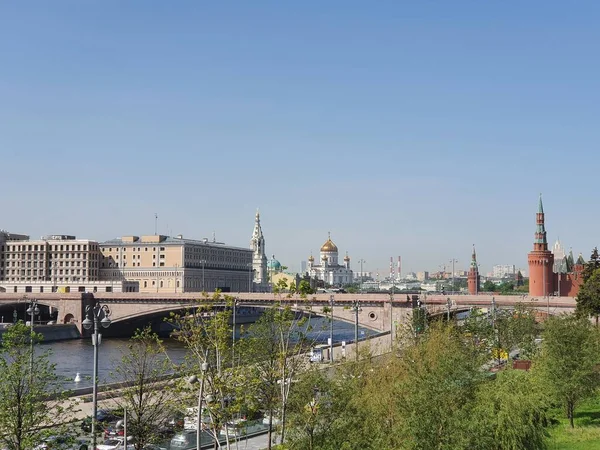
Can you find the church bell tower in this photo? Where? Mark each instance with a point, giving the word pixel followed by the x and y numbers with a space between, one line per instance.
pixel 259 257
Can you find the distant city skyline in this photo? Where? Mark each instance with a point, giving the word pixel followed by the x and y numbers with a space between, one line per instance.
pixel 405 129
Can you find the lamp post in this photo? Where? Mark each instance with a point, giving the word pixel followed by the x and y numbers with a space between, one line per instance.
pixel 33 311
pixel 235 302
pixel 392 318
pixel 449 306
pixel 545 261
pixel 203 262
pixel 99 315
pixel 497 344
pixel 453 261
pixel 194 379
pixel 362 277
pixel 356 308
pixel 331 299
pixel 176 275
pixel 249 277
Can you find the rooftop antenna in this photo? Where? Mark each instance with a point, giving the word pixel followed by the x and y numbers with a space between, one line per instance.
pixel 214 237
pixel 155 224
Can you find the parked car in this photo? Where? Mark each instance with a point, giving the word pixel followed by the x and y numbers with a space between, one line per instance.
pixel 103 416
pixel 62 443
pixel 116 444
pixel 183 439
pixel 114 429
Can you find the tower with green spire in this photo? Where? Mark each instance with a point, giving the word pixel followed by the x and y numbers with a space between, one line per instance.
pixel 473 276
pixel 541 260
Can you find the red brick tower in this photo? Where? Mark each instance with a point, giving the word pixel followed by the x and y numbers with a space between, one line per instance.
pixel 541 260
pixel 473 277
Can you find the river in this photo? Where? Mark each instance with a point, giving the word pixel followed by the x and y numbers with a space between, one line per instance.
pixel 76 356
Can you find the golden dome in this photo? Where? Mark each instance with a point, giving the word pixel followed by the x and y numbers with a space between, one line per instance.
pixel 311 258
pixel 346 258
pixel 329 246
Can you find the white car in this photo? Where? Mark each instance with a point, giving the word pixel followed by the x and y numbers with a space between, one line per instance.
pixel 115 444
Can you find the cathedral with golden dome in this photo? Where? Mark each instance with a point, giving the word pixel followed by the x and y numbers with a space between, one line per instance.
pixel 328 268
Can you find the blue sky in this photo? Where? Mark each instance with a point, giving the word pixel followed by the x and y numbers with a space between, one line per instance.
pixel 404 128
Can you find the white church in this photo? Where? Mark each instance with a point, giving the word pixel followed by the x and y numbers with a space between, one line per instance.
pixel 328 267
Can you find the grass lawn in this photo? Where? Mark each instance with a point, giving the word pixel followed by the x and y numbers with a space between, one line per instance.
pixel 585 435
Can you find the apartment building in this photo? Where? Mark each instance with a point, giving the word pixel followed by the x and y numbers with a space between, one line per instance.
pixel 161 263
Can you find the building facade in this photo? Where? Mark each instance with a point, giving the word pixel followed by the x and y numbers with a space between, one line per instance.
pixel 56 263
pixel 504 271
pixel 173 264
pixel 329 270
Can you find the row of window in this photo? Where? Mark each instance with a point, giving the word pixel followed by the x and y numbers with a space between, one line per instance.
pixel 48 247
pixel 34 256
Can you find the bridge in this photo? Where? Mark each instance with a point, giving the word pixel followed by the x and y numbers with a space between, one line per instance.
pixel 375 311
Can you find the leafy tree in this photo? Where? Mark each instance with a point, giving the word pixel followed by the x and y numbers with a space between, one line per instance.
pixel 588 297
pixel 435 379
pixel 30 393
pixel 509 413
pixel 150 401
pixel 489 286
pixel 304 287
pixel 592 265
pixel 272 349
pixel 568 362
pixel 206 332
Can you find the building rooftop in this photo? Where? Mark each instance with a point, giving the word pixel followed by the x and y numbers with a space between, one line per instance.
pixel 166 240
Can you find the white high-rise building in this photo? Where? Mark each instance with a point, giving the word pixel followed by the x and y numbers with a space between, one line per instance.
pixel 503 271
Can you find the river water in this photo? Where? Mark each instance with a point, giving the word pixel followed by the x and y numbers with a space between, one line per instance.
pixel 77 356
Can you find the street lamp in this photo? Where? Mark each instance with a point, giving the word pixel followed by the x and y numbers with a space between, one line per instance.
pixel 331 299
pixel 356 308
pixel 453 261
pixel 448 305
pixel 194 379
pixel 362 278
pixel 203 262
pixel 235 302
pixel 250 276
pixel 544 290
pixel 100 315
pixel 33 311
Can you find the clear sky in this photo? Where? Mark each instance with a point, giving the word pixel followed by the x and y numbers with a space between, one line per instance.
pixel 404 128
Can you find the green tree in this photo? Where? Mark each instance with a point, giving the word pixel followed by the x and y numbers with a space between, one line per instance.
pixel 509 413
pixel 435 382
pixel 206 332
pixel 592 265
pixel 588 297
pixel 149 400
pixel 272 350
pixel 489 286
pixel 568 362
pixel 304 287
pixel 30 392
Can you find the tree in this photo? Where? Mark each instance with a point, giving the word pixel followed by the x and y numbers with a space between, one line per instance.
pixel 434 383
pixel 206 332
pixel 30 393
pixel 489 286
pixel 149 400
pixel 509 413
pixel 568 362
pixel 588 297
pixel 592 265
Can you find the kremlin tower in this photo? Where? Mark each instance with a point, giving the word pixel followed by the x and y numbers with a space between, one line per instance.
pixel 473 277
pixel 541 260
